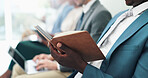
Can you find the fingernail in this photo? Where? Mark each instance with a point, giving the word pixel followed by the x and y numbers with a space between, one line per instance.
pixel 59 45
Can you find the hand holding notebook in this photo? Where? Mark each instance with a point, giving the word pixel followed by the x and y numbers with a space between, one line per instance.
pixel 79 41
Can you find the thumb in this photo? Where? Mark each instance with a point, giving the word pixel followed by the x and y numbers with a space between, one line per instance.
pixel 63 47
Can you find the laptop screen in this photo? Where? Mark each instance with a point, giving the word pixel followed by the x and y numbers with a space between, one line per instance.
pixel 17 57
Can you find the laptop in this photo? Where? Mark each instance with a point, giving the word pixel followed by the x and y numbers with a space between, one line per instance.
pixel 29 66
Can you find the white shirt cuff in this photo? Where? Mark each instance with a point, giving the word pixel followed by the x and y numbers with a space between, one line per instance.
pixel 58 66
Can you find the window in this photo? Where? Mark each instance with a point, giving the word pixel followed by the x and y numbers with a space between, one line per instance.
pixel 2 21
pixel 17 16
pixel 26 14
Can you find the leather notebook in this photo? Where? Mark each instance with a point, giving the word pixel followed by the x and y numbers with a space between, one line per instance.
pixel 79 41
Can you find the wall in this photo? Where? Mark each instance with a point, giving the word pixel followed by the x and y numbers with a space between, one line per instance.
pixel 114 6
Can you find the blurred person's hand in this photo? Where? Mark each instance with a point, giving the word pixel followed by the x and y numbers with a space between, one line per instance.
pixel 43 56
pixel 48 64
pixel 69 58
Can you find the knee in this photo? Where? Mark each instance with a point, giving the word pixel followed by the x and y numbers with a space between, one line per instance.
pixel 21 43
pixel 16 67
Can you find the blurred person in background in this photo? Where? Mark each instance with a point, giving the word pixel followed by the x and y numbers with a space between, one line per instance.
pixel 55 70
pixel 95 18
pixel 35 47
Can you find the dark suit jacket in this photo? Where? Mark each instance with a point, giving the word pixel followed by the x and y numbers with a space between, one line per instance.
pixel 128 56
pixel 95 20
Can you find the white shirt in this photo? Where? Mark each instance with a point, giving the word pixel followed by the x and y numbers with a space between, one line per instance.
pixel 50 20
pixel 87 6
pixel 71 19
pixel 122 26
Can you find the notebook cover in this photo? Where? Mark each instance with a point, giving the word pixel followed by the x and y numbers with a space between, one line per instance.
pixel 83 44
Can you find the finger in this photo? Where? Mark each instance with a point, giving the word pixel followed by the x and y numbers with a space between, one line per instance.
pixel 63 47
pixel 59 45
pixel 40 67
pixel 51 46
pixel 54 52
pixel 42 62
pixel 50 57
pixel 41 57
pixel 35 58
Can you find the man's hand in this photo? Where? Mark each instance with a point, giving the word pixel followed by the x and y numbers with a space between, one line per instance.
pixel 43 56
pixel 70 58
pixel 50 65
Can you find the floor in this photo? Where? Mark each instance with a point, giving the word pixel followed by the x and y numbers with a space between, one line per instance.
pixel 4 56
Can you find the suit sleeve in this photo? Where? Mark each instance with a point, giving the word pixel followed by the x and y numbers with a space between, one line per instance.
pixel 93 72
pixel 99 23
pixel 141 70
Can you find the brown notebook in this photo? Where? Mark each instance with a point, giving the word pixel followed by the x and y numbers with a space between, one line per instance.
pixel 80 41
